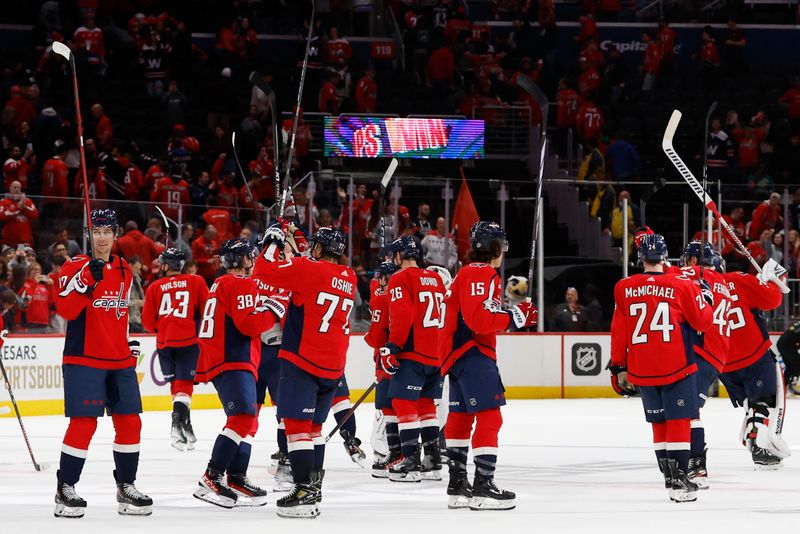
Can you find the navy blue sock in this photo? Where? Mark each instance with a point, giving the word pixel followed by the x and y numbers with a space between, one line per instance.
pixel 349 425
pixel 302 462
pixel 682 456
pixel 126 464
pixel 409 438
pixel 224 451
pixel 242 459
pixel 282 440
pixel 457 457
pixel 70 468
pixel 392 435
pixel 485 464
pixel 698 438
pixel 319 457
pixel 430 436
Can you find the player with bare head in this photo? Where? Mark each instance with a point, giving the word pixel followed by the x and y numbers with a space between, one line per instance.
pixel 652 331
pixel 99 369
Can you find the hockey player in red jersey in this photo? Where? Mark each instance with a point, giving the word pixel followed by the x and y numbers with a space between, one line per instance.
pixel 313 352
pixel 651 332
pixel 99 369
pixel 173 305
pixel 377 337
pixel 410 358
pixel 473 315
pixel 233 315
pixel 750 374
pixel 711 348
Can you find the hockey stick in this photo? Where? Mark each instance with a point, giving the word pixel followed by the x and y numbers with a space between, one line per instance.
pixel 532 89
pixel 352 410
pixel 703 212
pixel 290 154
pixel 166 227
pixel 708 202
pixel 246 181
pixel 258 80
pixel 387 177
pixel 64 51
pixel 36 465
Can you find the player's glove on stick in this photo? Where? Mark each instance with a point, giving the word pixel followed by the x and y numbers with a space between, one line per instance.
pixel 619 381
pixel 772 271
pixel 705 290
pixel 135 347
pixel 389 362
pixel 273 241
pixel 523 315
pixel 268 304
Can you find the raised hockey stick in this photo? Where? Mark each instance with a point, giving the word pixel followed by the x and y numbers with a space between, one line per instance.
pixel 64 51
pixel 703 236
pixel 532 89
pixel 352 410
pixel 708 202
pixel 290 153
pixel 166 226
pixel 250 196
pixel 258 80
pixel 387 177
pixel 36 465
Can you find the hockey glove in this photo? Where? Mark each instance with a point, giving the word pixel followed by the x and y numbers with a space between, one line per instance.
pixel 619 381
pixel 772 271
pixel 96 271
pixel 272 305
pixel 389 363
pixel 135 347
pixel 523 315
pixel 273 241
pixel 296 239
pixel 705 290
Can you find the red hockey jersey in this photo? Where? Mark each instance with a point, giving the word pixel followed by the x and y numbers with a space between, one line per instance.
pixel 749 336
pixel 316 332
pixel 170 195
pixel 97 318
pixel 472 314
pixel 229 322
pixel 712 346
pixel 415 297
pixel 172 309
pixel 378 333
pixel 651 331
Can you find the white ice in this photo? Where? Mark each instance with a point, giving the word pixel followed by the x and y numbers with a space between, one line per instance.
pixel 576 465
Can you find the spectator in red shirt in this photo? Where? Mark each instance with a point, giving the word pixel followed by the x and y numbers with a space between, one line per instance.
pixel 54 175
pixel 456 25
pixel 328 100
pixel 791 101
pixel 337 51
pixel 588 81
pixel 35 300
pixel 366 93
pixel 227 194
pixel 440 70
pixel 651 64
pixel 749 141
pixel 16 212
pixel 766 216
pixel 204 250
pixel 590 121
pixel 135 243
pixel 760 249
pixel 17 166
pixel 735 43
pixel 594 56
pixel 133 181
pixel 568 104
pixel 222 223
pixel 172 192
pixel 18 109
pixel 709 56
pixel 103 130
pixel 89 44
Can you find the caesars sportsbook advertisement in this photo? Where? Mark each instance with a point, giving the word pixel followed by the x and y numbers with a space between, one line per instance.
pixel 391 137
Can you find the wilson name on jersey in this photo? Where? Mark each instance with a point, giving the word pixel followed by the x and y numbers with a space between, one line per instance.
pixel 172 309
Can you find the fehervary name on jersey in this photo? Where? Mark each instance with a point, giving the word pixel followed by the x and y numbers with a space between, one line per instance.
pixel 650 290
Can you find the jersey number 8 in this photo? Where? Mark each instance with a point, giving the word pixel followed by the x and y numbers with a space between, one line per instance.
pixel 207 326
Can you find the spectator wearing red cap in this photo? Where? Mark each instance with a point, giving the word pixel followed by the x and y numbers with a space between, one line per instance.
pixel 16 212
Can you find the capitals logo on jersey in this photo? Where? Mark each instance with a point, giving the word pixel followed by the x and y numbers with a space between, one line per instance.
pixel 112 300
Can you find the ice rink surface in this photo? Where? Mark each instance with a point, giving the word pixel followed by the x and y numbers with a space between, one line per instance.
pixel 576 465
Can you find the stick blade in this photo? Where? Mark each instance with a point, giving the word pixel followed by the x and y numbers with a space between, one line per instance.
pixel 387 176
pixel 233 138
pixel 62 50
pixel 672 127
pixel 254 77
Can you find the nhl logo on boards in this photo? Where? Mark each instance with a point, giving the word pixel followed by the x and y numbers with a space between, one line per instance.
pixel 586 359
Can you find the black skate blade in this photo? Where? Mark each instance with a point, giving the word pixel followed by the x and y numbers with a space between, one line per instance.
pixel 130 509
pixel 69 512
pixel 205 494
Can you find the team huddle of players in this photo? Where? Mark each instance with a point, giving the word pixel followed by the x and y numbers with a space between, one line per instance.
pixel 675 330
pixel 277 321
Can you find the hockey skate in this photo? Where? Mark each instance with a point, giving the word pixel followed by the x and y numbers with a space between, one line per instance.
pixel 283 476
pixel 682 490
pixel 697 471
pixel 487 496
pixel 177 438
pixel 300 503
pixel 213 489
pixel 664 468
pixel 764 460
pixel 380 467
pixel 406 470
pixel 275 461
pixel 316 481
pixel 459 491
pixel 188 433
pixel 132 501
pixel 68 503
pixel 432 463
pixel 353 447
pixel 248 494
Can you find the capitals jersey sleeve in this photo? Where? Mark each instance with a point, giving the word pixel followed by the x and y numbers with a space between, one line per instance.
pixel 316 331
pixel 472 314
pixel 713 344
pixel 97 317
pixel 229 323
pixel 378 333
pixel 749 335
pixel 172 309
pixel 415 297
pixel 652 327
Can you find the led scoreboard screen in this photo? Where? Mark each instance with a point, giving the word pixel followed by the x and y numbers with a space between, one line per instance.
pixel 386 137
